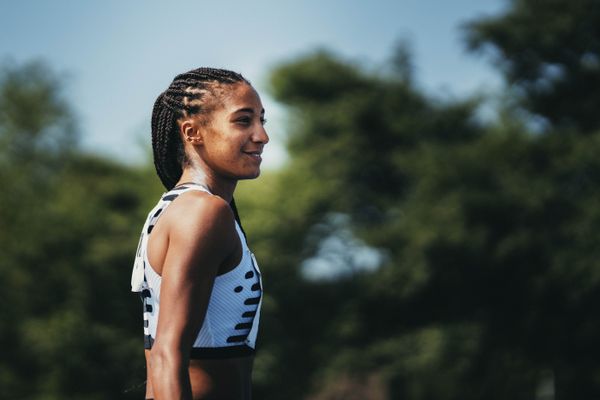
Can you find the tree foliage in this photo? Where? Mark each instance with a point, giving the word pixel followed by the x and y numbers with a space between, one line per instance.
pixel 67 232
pixel 487 279
pixel 550 53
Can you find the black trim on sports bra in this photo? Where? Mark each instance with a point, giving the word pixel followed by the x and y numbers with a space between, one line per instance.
pixel 204 353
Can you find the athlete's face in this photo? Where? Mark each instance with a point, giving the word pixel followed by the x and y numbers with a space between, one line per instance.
pixel 234 137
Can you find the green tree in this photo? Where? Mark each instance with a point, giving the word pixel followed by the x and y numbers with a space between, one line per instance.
pixel 353 132
pixel 70 223
pixel 487 280
pixel 549 53
pixel 36 131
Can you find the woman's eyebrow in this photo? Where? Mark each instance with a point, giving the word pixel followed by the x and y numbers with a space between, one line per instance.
pixel 249 110
pixel 246 109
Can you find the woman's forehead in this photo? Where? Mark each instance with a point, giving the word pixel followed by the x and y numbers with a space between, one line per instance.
pixel 242 96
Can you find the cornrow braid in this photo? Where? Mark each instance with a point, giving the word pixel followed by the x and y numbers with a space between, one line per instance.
pixel 184 97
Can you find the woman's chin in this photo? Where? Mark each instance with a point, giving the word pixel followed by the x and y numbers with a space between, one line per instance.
pixel 250 174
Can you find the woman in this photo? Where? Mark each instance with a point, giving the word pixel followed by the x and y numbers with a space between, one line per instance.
pixel 199 282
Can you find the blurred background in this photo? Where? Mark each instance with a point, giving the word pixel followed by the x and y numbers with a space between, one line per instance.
pixel 427 221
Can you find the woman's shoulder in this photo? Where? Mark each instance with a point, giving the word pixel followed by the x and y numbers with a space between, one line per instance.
pixel 197 211
pixel 195 205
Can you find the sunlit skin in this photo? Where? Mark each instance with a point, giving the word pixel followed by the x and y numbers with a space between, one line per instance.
pixel 195 240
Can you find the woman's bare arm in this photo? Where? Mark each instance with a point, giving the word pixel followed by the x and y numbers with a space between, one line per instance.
pixel 201 236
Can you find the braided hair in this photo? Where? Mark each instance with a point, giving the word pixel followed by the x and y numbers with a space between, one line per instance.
pixel 190 93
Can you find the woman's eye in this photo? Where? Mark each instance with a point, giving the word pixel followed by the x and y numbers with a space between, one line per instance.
pixel 243 121
pixel 248 121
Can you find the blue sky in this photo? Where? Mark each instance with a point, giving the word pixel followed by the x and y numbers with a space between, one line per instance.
pixel 118 55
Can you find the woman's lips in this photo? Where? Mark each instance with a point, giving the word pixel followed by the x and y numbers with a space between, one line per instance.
pixel 255 155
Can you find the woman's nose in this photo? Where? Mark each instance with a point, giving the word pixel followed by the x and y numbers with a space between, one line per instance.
pixel 261 135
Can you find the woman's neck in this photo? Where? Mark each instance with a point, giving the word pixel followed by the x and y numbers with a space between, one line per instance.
pixel 217 186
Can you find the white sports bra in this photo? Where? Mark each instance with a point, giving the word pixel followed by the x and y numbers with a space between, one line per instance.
pixel 231 322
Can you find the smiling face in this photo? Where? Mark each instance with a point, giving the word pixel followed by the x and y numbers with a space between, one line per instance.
pixel 230 140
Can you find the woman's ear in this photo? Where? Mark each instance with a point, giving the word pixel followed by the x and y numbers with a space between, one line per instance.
pixel 191 132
